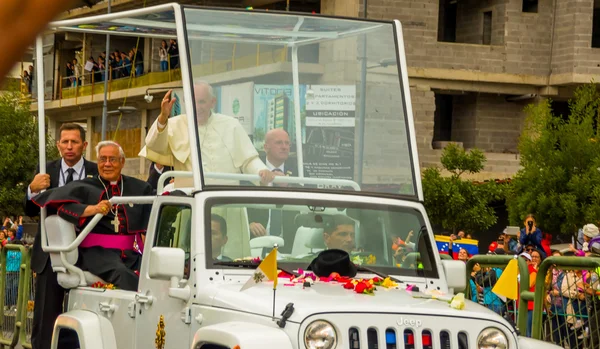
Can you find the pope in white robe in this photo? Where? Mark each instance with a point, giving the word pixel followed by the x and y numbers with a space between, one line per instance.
pixel 224 148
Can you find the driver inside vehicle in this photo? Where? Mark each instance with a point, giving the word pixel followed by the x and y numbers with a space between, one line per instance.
pixel 218 230
pixel 339 233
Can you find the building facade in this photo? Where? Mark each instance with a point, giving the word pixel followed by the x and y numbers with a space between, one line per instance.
pixel 473 66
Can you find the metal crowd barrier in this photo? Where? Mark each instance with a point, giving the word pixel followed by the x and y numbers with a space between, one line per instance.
pixel 566 300
pixel 492 267
pixel 15 296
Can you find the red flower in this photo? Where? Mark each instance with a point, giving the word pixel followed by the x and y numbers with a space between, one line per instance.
pixel 349 285
pixel 360 287
pixel 334 275
pixel 283 274
pixel 343 279
pixel 377 281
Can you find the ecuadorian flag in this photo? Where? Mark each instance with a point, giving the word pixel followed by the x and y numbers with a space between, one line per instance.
pixel 443 245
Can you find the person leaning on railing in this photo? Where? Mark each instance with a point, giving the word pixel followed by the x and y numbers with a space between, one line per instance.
pixel 573 289
pixel 554 305
pixel 164 56
pixel 594 290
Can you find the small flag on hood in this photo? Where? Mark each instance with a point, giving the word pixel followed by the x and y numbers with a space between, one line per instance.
pixel 267 269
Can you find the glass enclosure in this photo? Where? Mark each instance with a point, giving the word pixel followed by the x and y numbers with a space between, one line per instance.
pixel 390 239
pixel 316 97
pixel 317 101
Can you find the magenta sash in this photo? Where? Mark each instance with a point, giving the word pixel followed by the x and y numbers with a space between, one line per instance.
pixel 118 242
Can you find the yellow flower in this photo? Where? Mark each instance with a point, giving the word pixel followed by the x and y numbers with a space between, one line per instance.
pixel 458 301
pixel 387 283
pixel 371 259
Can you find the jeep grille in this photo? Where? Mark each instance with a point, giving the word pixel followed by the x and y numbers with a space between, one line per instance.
pixel 407 338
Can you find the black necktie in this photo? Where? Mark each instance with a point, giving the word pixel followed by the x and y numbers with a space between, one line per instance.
pixel 70 176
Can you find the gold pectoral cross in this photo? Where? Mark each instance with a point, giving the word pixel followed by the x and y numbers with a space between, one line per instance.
pixel 115 223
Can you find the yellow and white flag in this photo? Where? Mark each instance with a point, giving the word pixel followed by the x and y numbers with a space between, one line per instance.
pixel 507 285
pixel 267 269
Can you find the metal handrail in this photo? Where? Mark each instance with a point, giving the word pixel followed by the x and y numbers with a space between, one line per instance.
pixel 84 233
pixel 174 174
pixel 254 178
pixel 284 179
pixel 540 284
pixel 499 261
pixel 63 250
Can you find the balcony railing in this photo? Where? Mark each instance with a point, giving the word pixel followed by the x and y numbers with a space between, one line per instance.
pixel 88 85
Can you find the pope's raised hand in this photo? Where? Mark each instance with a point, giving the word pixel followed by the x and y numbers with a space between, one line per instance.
pixel 166 105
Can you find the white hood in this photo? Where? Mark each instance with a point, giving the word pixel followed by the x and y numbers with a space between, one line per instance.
pixel 333 298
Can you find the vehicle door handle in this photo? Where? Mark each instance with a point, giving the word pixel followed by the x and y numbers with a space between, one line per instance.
pixel 144 299
pixel 107 307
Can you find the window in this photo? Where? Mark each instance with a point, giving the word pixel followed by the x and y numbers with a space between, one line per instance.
pixel 487 28
pixel 387 238
pixel 174 230
pixel 442 119
pixel 530 6
pixel 447 21
pixel 596 24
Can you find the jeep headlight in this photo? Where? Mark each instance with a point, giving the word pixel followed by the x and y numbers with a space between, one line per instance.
pixel 320 334
pixel 492 338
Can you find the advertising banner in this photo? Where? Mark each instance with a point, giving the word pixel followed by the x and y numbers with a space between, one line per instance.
pixel 274 108
pixel 237 101
pixel 330 128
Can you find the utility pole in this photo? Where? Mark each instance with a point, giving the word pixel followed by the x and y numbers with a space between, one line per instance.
pixel 106 77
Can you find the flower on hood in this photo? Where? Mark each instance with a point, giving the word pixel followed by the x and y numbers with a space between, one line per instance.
pixel 104 286
pixel 387 283
pixel 364 287
pixel 458 301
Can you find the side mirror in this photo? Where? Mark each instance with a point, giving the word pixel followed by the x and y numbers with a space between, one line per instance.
pixel 167 263
pixel 455 275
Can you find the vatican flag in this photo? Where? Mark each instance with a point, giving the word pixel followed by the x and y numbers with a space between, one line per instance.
pixel 508 284
pixel 267 269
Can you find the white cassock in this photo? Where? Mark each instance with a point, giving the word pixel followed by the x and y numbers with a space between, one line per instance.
pixel 224 147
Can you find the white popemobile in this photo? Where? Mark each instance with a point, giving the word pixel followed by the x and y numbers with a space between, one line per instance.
pixel 339 87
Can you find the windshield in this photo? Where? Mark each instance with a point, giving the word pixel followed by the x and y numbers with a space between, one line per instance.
pixel 317 100
pixel 388 239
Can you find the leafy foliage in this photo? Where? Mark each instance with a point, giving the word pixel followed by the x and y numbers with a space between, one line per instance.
pixel 19 144
pixel 455 203
pixel 560 157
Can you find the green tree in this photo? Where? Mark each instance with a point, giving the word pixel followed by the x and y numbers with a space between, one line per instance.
pixel 455 203
pixel 19 144
pixel 560 157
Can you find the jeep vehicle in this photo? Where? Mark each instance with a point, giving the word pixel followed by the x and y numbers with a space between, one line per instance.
pixel 345 77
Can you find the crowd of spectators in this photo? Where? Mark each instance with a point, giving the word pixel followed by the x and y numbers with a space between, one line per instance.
pixel 571 314
pixel 122 65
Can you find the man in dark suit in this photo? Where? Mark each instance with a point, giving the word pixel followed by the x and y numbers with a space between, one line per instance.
pixel 276 222
pixel 49 295
pixel 156 170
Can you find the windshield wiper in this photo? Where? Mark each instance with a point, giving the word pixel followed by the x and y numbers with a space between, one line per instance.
pixel 251 265
pixel 381 275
